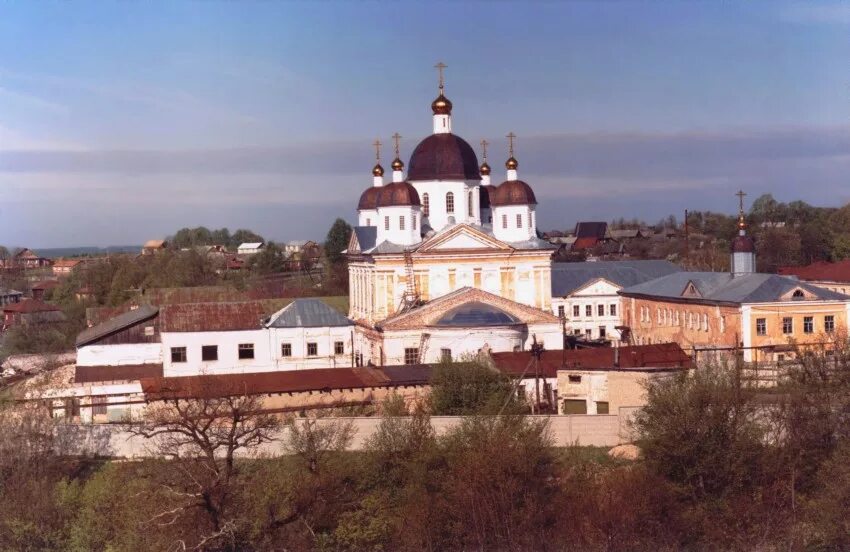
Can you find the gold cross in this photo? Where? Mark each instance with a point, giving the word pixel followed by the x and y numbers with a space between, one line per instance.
pixel 440 66
pixel 484 144
pixel 377 143
pixel 396 138
pixel 741 195
pixel 510 138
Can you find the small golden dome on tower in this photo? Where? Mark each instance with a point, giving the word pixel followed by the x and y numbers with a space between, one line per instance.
pixel 442 105
pixel 397 164
pixel 511 164
pixel 485 168
pixel 742 224
pixel 378 170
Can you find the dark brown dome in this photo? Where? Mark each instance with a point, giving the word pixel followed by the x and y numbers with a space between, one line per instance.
pixel 441 106
pixel 743 244
pixel 398 194
pixel 443 157
pixel 369 199
pixel 512 192
pixel 484 169
pixel 484 196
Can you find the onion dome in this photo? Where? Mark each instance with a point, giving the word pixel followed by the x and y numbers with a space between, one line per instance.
pixel 378 170
pixel 743 244
pixel 398 194
pixel 511 164
pixel 397 164
pixel 443 157
pixel 512 192
pixel 369 199
pixel 484 169
pixel 484 196
pixel 442 105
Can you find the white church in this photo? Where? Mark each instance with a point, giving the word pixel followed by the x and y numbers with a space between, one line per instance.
pixel 443 262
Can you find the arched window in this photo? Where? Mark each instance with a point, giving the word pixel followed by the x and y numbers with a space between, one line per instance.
pixel 469 210
pixel 425 204
pixel 797 295
pixel 450 202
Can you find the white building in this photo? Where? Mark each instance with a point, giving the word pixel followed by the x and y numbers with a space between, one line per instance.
pixel 249 248
pixel 585 294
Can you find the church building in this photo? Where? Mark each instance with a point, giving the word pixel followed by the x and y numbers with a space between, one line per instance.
pixel 443 234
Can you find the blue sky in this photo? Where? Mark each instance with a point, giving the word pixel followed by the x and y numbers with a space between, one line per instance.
pixel 121 122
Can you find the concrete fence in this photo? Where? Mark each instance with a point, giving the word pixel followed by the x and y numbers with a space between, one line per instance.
pixel 114 440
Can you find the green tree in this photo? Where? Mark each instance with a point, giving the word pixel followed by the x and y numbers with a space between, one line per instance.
pixel 337 241
pixel 244 236
pixel 470 387
pixel 271 259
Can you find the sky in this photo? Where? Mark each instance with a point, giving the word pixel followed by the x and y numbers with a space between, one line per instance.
pixel 122 122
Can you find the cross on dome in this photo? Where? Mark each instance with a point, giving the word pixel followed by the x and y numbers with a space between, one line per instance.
pixel 397 164
pixel 377 170
pixel 511 164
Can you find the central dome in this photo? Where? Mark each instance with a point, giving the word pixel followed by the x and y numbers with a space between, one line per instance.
pixel 443 157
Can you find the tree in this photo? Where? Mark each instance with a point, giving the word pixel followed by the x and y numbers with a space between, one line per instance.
pixel 269 260
pixel 202 436
pixel 470 387
pixel 337 241
pixel 244 236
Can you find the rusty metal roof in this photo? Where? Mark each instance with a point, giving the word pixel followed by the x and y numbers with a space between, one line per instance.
pixel 116 324
pixel 212 317
pixel 29 306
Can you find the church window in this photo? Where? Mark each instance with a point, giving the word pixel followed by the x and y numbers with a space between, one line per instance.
pixel 386 223
pixel 519 220
pixel 450 202
pixel 505 221
pixel 368 222
pixel 401 222
pixel 530 224
pixel 414 221
pixel 425 205
pixel 469 210
pixel 411 355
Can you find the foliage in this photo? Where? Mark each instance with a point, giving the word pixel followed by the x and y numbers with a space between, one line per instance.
pixel 337 241
pixel 195 237
pixel 271 259
pixel 470 387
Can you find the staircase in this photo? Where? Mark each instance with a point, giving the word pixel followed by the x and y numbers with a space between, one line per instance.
pixel 423 346
pixel 410 299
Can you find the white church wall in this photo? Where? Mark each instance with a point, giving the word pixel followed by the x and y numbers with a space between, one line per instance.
pixel 509 228
pixel 367 217
pixel 390 224
pixel 438 217
pixel 460 341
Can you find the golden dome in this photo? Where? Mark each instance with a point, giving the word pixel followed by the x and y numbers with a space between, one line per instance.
pixel 378 170
pixel 442 105
pixel 397 164
pixel 742 224
pixel 511 164
pixel 485 168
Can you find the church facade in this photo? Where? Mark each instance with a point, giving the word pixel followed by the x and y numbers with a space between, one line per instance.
pixel 443 228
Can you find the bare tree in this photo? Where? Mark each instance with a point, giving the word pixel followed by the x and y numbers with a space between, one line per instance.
pixel 201 438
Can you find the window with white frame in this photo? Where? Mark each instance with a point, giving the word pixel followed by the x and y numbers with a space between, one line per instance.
pixel 401 222
pixel 450 202
pixel 425 205
pixel 519 220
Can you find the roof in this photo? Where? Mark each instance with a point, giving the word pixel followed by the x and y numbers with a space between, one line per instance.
pixel 212 317
pixel 658 357
pixel 369 199
pixel 366 236
pixel 66 263
pixel 397 194
pixel 443 157
pixel 568 277
pixel 584 243
pixel 116 324
pixel 294 381
pixel 723 287
pixel 155 244
pixel 308 313
pixel 6 292
pixel 484 195
pixel 46 284
pixel 512 192
pixel 820 271
pixel 250 245
pixel 30 306
pixel 624 233
pixel 591 230
pixel 743 244
pixel 123 372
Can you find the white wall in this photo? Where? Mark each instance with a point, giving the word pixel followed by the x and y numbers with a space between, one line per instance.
pixel 324 338
pixel 116 355
pixel 438 218
pixel 367 217
pixel 513 232
pixel 411 233
pixel 595 294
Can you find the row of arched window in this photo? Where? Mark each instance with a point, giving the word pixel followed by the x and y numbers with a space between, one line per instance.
pixel 670 317
pixel 450 204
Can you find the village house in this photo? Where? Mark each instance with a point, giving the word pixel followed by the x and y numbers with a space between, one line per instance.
pixel 250 248
pixel 26 259
pixel 64 267
pixel 30 312
pixel 584 295
pixel 40 289
pixel 9 296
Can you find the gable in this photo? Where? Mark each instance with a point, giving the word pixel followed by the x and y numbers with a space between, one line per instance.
pixel 599 286
pixel 798 294
pixel 463 236
pixel 691 291
pixel 353 243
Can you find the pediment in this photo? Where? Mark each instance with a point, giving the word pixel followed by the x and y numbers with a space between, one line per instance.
pixel 599 286
pixel 463 237
pixel 353 244
pixel 798 294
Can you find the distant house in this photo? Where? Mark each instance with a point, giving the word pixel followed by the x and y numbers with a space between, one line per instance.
pixel 626 234
pixel 250 248
pixel 27 258
pixel 298 246
pixel 832 276
pixel 30 312
pixel 234 263
pixel 154 246
pixel 589 234
pixel 64 267
pixel 41 288
pixel 9 296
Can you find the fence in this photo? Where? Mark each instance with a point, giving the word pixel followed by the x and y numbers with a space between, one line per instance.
pixel 114 440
